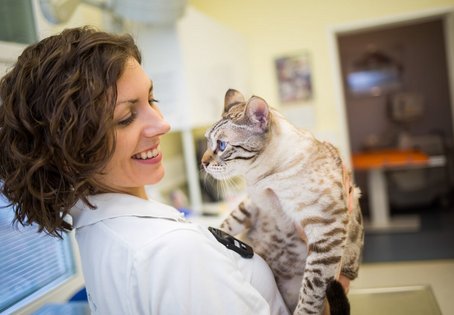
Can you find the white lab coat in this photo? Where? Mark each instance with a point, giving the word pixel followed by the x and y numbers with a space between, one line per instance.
pixel 141 257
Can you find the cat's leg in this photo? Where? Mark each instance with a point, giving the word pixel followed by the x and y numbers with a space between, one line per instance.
pixel 240 219
pixel 326 238
pixel 354 243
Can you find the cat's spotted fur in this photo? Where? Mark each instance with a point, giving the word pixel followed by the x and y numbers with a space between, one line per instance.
pixel 297 216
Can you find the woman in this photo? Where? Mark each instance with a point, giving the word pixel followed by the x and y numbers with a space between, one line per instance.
pixel 80 132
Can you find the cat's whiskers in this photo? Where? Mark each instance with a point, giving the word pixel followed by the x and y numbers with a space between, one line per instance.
pixel 210 180
pixel 223 186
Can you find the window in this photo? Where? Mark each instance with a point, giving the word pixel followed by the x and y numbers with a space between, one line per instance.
pixel 17 22
pixel 31 264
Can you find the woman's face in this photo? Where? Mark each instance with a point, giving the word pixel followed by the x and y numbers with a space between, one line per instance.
pixel 137 160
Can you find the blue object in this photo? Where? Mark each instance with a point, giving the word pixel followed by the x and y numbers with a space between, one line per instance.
pixel 73 308
pixel 186 212
pixel 80 295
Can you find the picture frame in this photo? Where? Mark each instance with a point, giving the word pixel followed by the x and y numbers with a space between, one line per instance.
pixel 294 78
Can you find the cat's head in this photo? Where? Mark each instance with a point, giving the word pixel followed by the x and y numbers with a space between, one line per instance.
pixel 235 141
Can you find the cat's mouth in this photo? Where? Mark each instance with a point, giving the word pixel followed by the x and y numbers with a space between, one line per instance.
pixel 219 173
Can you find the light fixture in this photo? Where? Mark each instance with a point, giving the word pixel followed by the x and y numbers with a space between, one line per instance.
pixel 159 12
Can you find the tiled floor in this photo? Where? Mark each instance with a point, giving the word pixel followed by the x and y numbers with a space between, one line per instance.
pixel 433 240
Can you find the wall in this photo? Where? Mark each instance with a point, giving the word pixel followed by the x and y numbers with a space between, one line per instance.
pixel 278 27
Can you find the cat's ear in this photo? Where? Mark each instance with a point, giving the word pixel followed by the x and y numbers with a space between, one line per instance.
pixel 258 112
pixel 232 97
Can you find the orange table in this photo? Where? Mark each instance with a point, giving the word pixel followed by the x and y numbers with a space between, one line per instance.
pixel 376 163
pixel 388 159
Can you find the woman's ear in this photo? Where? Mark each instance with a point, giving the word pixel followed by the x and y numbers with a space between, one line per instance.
pixel 258 112
pixel 232 97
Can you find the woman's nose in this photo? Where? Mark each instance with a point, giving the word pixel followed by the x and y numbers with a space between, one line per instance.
pixel 155 124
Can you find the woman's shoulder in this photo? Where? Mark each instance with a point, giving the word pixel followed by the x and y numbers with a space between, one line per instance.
pixel 139 232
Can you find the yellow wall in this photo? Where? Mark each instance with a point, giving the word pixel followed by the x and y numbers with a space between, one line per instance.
pixel 279 27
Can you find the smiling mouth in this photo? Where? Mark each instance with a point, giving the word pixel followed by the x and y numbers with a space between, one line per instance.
pixel 148 154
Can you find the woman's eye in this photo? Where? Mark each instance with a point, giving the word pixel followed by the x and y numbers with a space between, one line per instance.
pixel 128 120
pixel 152 101
pixel 221 145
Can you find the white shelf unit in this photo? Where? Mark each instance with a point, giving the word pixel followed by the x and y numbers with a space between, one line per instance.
pixel 192 65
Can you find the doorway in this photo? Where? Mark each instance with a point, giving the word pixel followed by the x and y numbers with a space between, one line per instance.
pixel 416 55
pixel 397 97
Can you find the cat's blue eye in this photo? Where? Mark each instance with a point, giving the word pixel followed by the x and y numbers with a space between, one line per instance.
pixel 222 145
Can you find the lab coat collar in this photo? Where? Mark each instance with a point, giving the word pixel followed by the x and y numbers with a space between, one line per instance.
pixel 113 205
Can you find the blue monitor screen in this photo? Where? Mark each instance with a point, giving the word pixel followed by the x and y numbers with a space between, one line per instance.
pixel 31 264
pixel 373 81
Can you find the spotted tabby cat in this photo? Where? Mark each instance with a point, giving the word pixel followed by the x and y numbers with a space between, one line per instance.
pixel 302 214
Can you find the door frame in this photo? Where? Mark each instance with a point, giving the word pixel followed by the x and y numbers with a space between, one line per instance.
pixel 445 13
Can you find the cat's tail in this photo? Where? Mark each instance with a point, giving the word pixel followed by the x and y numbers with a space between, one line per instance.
pixel 337 299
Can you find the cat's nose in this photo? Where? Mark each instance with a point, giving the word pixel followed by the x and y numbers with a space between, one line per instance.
pixel 206 158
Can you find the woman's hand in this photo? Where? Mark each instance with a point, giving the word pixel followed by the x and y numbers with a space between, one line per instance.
pixel 345 283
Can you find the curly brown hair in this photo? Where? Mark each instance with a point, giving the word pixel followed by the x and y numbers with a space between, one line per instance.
pixel 56 122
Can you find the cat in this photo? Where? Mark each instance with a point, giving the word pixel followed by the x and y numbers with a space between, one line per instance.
pixel 302 213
